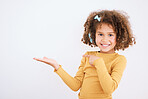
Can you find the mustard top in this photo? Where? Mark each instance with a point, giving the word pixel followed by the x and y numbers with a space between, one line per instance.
pixel 98 81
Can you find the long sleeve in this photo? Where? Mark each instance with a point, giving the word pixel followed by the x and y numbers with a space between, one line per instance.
pixel 72 82
pixel 110 82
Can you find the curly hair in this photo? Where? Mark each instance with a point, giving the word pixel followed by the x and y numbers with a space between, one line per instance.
pixel 118 20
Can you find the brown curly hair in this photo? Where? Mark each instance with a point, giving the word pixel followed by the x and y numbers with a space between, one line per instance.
pixel 118 20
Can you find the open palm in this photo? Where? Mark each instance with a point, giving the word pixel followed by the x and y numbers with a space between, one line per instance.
pixel 48 61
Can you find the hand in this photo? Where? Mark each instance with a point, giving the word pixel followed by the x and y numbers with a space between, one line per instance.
pixel 92 58
pixel 48 61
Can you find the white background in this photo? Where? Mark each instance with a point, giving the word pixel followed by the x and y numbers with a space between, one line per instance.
pixel 54 28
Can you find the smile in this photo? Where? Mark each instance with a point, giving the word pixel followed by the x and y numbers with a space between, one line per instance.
pixel 105 45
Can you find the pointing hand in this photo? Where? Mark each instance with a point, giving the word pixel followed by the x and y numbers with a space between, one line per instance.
pixel 92 58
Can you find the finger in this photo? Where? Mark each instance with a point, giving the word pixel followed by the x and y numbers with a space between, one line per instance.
pixel 45 57
pixel 92 65
pixel 38 59
pixel 86 55
pixel 35 58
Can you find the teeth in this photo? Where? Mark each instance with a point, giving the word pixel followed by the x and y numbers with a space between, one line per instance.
pixel 104 45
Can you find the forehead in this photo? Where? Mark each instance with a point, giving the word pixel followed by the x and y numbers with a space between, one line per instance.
pixel 104 27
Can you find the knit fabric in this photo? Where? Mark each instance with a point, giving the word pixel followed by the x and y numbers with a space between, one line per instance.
pixel 98 81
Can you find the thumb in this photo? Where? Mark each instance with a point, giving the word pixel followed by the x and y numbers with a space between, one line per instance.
pixel 45 57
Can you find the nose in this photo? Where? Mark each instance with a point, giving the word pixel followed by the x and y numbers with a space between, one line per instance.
pixel 105 38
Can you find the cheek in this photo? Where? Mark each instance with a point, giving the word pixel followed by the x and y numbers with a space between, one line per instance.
pixel 113 39
pixel 98 40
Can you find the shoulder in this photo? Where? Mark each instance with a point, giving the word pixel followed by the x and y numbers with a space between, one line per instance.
pixel 90 52
pixel 120 59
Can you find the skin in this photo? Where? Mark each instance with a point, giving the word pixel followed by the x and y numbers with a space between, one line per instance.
pixel 48 61
pixel 104 35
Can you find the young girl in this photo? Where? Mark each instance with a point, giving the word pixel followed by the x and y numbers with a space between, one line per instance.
pixel 100 72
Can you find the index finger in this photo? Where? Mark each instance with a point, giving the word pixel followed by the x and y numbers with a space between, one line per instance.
pixel 86 55
pixel 38 59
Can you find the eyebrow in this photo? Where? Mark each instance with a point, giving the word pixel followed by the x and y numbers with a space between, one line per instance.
pixel 107 32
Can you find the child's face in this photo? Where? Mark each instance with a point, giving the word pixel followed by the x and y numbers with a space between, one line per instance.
pixel 105 38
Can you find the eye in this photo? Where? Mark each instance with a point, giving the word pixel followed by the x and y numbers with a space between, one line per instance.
pixel 110 35
pixel 100 34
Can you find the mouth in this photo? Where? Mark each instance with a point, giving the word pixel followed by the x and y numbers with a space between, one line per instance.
pixel 105 45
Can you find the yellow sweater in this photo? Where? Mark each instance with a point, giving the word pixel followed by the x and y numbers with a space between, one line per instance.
pixel 98 82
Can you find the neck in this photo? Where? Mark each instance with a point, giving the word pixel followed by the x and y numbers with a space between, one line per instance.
pixel 109 52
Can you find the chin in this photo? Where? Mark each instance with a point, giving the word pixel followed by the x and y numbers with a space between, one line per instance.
pixel 107 50
pixel 104 51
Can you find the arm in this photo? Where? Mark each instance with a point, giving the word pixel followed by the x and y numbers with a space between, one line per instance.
pixel 73 82
pixel 110 82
